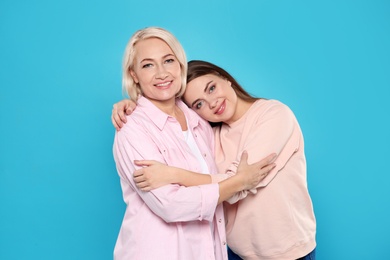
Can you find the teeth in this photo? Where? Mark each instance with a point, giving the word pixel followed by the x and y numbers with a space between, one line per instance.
pixel 220 108
pixel 163 84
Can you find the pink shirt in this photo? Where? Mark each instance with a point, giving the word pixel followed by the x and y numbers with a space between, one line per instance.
pixel 276 220
pixel 171 222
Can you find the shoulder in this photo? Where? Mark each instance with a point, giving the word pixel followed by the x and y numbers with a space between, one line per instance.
pixel 271 112
pixel 271 107
pixel 267 104
pixel 133 128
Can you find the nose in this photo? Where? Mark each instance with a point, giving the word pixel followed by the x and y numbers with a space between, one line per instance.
pixel 213 103
pixel 161 72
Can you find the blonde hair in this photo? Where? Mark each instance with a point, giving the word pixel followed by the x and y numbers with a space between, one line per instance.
pixel 129 86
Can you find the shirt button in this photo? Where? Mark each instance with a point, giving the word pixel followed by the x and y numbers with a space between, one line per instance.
pixel 219 220
pixel 204 155
pixel 224 243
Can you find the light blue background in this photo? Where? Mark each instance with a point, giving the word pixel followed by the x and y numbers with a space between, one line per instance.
pixel 60 73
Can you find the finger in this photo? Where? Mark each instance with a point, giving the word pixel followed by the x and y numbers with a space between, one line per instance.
pixel 139 180
pixel 129 110
pixel 267 160
pixel 118 113
pixel 244 156
pixel 115 117
pixel 268 168
pixel 144 162
pixel 137 174
pixel 115 123
pixel 146 188
pixel 118 122
pixel 122 116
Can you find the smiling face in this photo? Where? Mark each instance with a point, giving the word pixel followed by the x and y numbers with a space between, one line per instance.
pixel 157 70
pixel 213 98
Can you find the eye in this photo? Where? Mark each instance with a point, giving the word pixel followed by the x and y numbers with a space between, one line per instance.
pixel 147 65
pixel 198 105
pixel 211 89
pixel 169 60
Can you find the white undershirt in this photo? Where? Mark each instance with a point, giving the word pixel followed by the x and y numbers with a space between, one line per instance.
pixel 204 169
pixel 195 150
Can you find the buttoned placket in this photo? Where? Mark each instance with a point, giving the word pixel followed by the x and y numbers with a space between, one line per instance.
pixel 179 132
pixel 204 154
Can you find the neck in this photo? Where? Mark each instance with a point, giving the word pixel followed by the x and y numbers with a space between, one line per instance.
pixel 169 107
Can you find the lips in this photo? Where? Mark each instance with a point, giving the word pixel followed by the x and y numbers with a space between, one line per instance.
pixel 163 84
pixel 221 108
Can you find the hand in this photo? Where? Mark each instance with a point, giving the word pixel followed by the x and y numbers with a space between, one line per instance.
pixel 118 116
pixel 153 175
pixel 252 174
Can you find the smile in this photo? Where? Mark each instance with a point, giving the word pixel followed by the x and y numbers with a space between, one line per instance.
pixel 221 109
pixel 164 84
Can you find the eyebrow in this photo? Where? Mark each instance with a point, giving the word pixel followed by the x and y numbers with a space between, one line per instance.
pixel 164 57
pixel 207 85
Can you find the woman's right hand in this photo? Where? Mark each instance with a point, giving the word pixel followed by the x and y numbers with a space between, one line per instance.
pixel 247 176
pixel 119 112
pixel 252 174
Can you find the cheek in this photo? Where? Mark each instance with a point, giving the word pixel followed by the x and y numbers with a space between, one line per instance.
pixel 142 77
pixel 186 97
pixel 176 70
pixel 205 114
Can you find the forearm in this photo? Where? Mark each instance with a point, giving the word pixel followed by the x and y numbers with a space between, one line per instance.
pixel 188 178
pixel 229 187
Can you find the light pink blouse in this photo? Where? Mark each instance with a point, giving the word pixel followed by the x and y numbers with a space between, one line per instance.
pixel 171 222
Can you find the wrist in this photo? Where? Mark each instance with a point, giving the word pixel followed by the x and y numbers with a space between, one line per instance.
pixel 239 182
pixel 176 177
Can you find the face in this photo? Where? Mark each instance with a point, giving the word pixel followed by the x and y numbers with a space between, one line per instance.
pixel 213 98
pixel 157 70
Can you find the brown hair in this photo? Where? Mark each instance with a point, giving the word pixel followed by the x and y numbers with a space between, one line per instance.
pixel 198 68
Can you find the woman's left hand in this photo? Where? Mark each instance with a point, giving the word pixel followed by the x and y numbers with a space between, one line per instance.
pixel 152 175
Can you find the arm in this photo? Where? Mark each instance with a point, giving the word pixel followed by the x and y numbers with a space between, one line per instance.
pixel 247 177
pixel 119 112
pixel 149 177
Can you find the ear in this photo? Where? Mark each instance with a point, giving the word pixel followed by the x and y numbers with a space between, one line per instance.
pixel 134 76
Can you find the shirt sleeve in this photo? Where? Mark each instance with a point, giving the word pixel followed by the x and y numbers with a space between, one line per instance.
pixel 274 130
pixel 172 202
